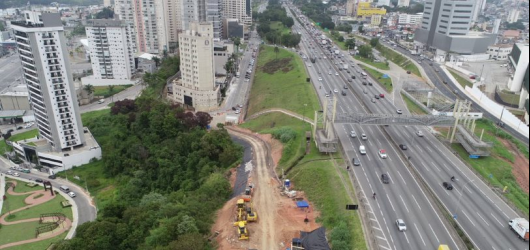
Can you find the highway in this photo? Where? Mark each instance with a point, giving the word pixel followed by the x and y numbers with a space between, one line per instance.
pixel 479 211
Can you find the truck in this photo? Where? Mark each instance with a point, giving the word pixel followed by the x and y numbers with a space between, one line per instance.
pixel 324 42
pixel 520 227
pixel 346 66
pixel 337 52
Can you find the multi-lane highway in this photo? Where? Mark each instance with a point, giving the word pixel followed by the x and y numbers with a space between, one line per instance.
pixel 478 210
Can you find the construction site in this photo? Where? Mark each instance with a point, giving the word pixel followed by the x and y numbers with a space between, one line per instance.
pixel 269 214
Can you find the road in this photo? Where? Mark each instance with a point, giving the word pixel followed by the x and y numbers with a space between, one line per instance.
pixel 438 77
pixel 86 211
pixel 479 211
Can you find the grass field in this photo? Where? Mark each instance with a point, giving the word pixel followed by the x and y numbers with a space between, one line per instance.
pixel 280 82
pixel 104 90
pixel 52 206
pixel 26 135
pixel 412 106
pixel 463 81
pixel 379 65
pixel 18 232
pixel 280 27
pixel 39 245
pixel 497 168
pixel 378 76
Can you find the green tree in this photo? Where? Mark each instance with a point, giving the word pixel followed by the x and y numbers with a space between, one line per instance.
pixel 350 43
pixel 341 39
pixel 89 88
pixel 374 42
pixel 188 241
pixel 157 61
pixel 237 42
pixel 276 51
pixel 365 51
pixel 361 29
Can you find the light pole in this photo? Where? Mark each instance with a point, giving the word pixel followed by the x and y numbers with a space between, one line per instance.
pixel 455 216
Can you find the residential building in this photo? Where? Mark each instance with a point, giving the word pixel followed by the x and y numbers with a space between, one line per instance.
pixel 403 3
pixel 513 16
pixel 111 49
pixel 375 20
pixel 202 11
pixel 518 59
pixel 232 28
pixel 496 26
pixel 350 7
pixel 365 9
pixel 214 15
pixel 196 87
pixel 173 21
pixel 238 9
pixel 445 28
pixel 383 3
pixel 499 51
pixel 479 9
pixel 409 19
pixel 43 54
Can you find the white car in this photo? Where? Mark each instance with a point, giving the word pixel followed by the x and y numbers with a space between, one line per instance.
pixel 320 78
pixel 382 154
pixel 72 194
pixel 353 134
pixel 330 73
pixel 402 227
pixel 336 73
pixel 399 111
pixel 238 111
pixel 16 174
pixel 419 133
pixel 364 137
pixel 336 90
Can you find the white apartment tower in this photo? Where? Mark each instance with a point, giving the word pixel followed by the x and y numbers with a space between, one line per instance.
pixel 238 9
pixel 172 15
pixel 403 3
pixel 513 16
pixel 111 49
pixel 197 86
pixel 202 11
pixel 350 7
pixel 46 71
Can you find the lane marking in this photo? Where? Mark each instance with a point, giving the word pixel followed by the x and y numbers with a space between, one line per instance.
pixel 407 238
pixel 498 221
pixel 483 219
pixel 392 205
pixel 465 214
pixel 404 203
pixel 434 165
pixel 418 204
pixel 434 233
pixel 420 234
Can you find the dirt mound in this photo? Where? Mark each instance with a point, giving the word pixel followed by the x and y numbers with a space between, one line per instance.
pixel 520 166
pixel 283 64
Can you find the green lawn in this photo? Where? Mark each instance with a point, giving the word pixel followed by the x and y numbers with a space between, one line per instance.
pixel 104 90
pixel 378 76
pixel 23 188
pixel 412 106
pixel 280 82
pixel 379 65
pixel 322 185
pixel 40 245
pixel 499 164
pixel 410 66
pixel 276 25
pixel 52 206
pixel 13 202
pixel 18 232
pixel 463 81
pixel 26 135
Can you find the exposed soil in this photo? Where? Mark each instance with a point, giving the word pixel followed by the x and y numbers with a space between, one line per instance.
pixel 279 220
pixel 520 166
pixel 283 64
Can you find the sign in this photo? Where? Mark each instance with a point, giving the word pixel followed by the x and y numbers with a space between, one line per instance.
pixel 352 207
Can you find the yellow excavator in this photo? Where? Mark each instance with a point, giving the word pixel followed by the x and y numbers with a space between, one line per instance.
pixel 242 230
pixel 252 215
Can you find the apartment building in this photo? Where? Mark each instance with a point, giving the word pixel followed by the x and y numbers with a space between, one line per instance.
pixel 350 7
pixel 46 70
pixel 197 87
pixel 111 49
pixel 238 9
pixel 403 3
pixel 409 19
pixel 172 14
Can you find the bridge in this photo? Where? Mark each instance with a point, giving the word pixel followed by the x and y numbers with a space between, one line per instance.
pixel 396 120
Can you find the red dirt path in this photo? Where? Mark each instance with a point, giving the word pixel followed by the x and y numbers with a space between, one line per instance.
pixel 32 201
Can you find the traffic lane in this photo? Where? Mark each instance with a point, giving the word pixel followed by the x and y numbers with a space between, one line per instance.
pixel 86 212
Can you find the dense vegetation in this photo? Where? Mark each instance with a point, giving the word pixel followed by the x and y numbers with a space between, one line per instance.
pixel 168 172
pixel 4 4
pixel 276 14
pixel 316 11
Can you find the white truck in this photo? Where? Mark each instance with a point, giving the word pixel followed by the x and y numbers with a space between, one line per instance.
pixel 324 42
pixel 337 52
pixel 520 227
pixel 346 66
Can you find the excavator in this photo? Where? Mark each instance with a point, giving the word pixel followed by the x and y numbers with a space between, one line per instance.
pixel 242 230
pixel 252 215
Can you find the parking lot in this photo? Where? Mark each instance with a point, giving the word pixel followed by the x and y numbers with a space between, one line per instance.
pixel 495 73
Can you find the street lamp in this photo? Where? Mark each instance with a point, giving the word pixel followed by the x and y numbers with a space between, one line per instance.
pixel 455 216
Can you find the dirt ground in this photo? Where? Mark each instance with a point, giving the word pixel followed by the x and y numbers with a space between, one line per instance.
pixel 520 166
pixel 279 219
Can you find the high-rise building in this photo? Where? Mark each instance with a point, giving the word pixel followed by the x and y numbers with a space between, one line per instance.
pixel 173 19
pixel 496 26
pixel 238 9
pixel 383 3
pixel 513 16
pixel 479 8
pixel 111 49
pixel 403 3
pixel 445 26
pixel 350 7
pixel 202 11
pixel 107 3
pixel 214 15
pixel 46 70
pixel 197 87
pixel 410 19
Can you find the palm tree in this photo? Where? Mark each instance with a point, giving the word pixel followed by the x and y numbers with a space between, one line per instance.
pixel 89 89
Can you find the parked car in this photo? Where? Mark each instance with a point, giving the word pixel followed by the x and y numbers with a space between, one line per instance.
pixel 385 179
pixel 52 177
pixel 402 227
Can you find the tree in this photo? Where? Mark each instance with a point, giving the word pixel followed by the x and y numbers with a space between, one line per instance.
pixel 341 39
pixel 374 42
pixel 276 51
pixel 157 61
pixel 361 29
pixel 365 51
pixel 350 43
pixel 106 13
pixel 111 91
pixel 237 42
pixel 89 89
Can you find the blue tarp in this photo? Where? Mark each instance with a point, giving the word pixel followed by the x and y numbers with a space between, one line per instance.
pixel 385 76
pixel 302 204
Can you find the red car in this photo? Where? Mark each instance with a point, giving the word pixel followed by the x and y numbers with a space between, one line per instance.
pixel 382 95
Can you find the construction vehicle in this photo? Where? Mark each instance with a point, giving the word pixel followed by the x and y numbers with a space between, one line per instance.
pixel 443 247
pixel 242 231
pixel 252 215
pixel 520 227
pixel 241 210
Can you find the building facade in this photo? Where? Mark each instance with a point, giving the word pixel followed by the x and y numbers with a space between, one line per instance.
pixel 499 51
pixel 46 71
pixel 238 9
pixel 111 49
pixel 519 58
pixel 350 7
pixel 173 22
pixel 197 87
pixel 513 16
pixel 365 9
pixel 409 19
pixel 403 3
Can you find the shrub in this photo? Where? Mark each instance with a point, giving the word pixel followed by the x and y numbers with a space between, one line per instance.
pixel 284 134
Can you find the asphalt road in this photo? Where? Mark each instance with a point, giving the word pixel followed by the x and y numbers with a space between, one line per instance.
pixel 481 213
pixel 450 89
pixel 86 211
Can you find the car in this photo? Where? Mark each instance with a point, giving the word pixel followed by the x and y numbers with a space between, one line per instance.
pixel 343 93
pixel 25 170
pixel 20 128
pixel 377 97
pixel 309 65
pixel 348 71
pixel 403 147
pixel 238 111
pixel 448 185
pixel 402 227
pixel 364 83
pixel 16 174
pixel 364 137
pixel 444 81
pixel 320 78
pixel 345 86
pixel 399 111
pixel 353 77
pixel 247 80
pixel 419 133
pixel 330 73
pixel 336 73
pixel 382 154
pixel 373 100
pixel 9 172
pixel 385 179
pixel 72 194
pixel 52 177
pixel 370 84
pixel 353 134
pixel 350 80
pixel 336 90
pixel 408 72
pixel 356 162
pixel 327 94
pixel 382 95
pixel 39 180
